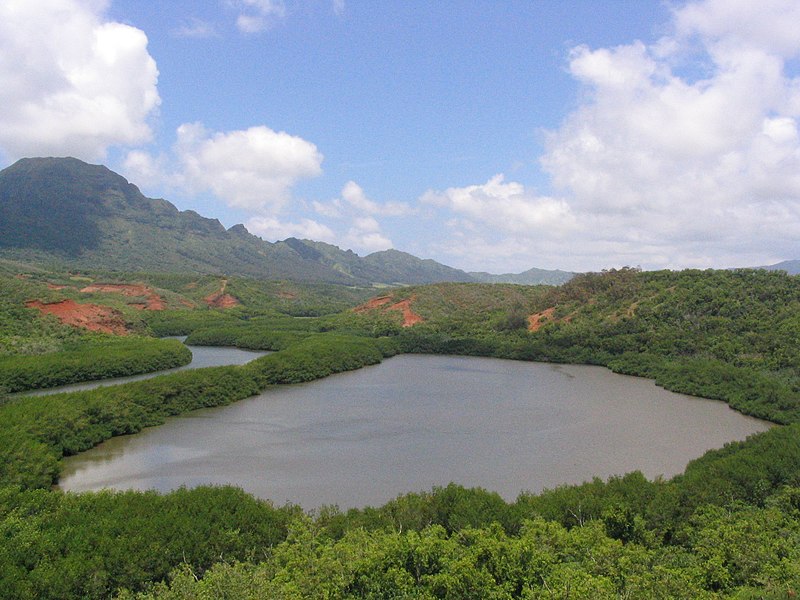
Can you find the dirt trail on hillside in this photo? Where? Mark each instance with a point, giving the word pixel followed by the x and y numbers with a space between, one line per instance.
pixel 87 316
pixel 220 299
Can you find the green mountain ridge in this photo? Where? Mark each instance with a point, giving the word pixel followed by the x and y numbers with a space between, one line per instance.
pixel 66 213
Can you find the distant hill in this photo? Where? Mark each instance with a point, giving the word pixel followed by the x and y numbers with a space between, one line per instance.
pixel 65 212
pixel 530 277
pixel 792 267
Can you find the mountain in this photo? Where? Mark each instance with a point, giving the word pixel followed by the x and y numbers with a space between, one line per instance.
pixel 530 277
pixel 386 266
pixel 86 216
pixel 66 212
pixel 792 267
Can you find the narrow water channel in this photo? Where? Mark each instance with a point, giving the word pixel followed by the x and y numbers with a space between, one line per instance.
pixel 202 356
pixel 414 422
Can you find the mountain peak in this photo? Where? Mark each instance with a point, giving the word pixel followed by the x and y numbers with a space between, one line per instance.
pixel 86 216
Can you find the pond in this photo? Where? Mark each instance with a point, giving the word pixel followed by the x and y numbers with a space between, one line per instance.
pixel 414 422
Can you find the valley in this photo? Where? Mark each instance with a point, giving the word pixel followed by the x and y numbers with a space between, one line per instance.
pixel 75 309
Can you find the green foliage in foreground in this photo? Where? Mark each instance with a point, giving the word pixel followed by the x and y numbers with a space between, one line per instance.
pixel 451 542
pixel 102 357
pixel 63 546
pixel 729 552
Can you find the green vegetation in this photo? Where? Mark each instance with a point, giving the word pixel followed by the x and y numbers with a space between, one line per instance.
pixel 728 335
pixel 66 213
pixel 96 359
pixel 728 527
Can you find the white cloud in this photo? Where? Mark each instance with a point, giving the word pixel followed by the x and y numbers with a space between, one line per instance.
pixel 364 232
pixel 354 195
pixel 365 236
pixel 703 170
pixel 332 210
pixel 507 207
pixel 73 83
pixel 257 15
pixel 145 170
pixel 338 7
pixel 682 153
pixel 253 169
pixel 769 25
pixel 273 229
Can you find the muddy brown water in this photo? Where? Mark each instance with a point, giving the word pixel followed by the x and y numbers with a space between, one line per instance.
pixel 414 422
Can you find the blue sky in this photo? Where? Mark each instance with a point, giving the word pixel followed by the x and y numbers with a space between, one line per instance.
pixel 489 135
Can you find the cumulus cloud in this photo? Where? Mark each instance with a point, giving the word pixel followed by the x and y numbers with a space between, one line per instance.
pixel 695 169
pixel 365 236
pixel 507 207
pixel 271 228
pixel 359 212
pixel 145 169
pixel 683 152
pixel 354 195
pixel 73 82
pixel 253 169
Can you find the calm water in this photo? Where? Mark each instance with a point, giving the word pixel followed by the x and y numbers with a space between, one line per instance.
pixel 202 356
pixel 414 422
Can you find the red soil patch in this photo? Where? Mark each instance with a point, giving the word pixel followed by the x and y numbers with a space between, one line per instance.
pixel 153 302
pixel 409 316
pixel 535 321
pixel 53 286
pixel 220 299
pixel 373 304
pixel 88 316
pixel 383 303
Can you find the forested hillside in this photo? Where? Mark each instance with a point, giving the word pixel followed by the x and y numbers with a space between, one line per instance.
pixel 67 214
pixel 728 527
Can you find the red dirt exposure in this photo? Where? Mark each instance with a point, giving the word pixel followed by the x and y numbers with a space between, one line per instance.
pixel 220 299
pixel 53 286
pixel 87 316
pixel 537 320
pixel 153 302
pixel 409 316
pixel 373 304
pixel 404 306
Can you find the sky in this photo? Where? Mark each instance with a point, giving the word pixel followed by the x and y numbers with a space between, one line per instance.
pixel 488 135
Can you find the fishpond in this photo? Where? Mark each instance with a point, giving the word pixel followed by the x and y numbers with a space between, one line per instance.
pixel 414 422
